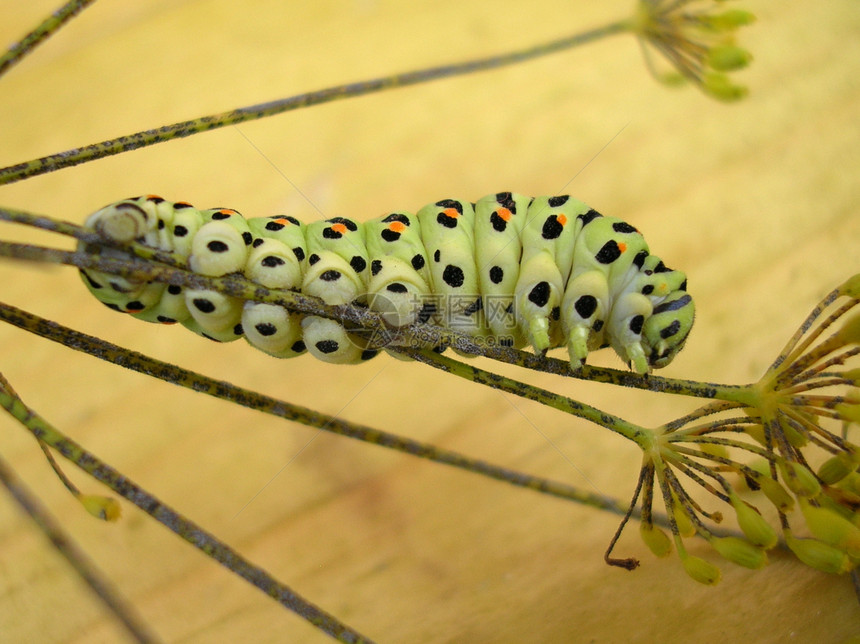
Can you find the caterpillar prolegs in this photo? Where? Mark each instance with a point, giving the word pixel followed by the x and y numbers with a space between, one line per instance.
pixel 509 269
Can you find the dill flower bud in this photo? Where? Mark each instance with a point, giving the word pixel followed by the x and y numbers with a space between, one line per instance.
pixel 727 58
pixel 849 332
pixel 849 411
pixel 682 519
pixel 794 437
pixel 719 86
pixel 851 286
pixel 657 541
pixel 753 524
pixel 819 555
pixel 101 507
pixel 773 490
pixel 740 552
pixel 836 468
pixel 729 20
pixel 701 570
pixel 851 483
pixel 799 479
pixel 831 528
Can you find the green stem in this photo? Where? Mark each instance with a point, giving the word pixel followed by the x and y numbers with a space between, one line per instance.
pixel 173 520
pixel 253 400
pixel 76 557
pixel 639 435
pixel 42 32
pixel 146 138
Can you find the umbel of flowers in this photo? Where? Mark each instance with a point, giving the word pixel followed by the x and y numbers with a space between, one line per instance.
pixel 698 39
pixel 786 438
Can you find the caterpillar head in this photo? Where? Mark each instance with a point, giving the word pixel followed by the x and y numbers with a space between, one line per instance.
pixel 666 330
pixel 121 222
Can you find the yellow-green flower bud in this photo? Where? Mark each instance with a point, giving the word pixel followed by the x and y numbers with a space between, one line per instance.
pixel 849 332
pixel 836 468
pixel 793 436
pixel 719 86
pixel 101 507
pixel 852 374
pixel 730 20
pixel 831 528
pixel 672 79
pixel 700 570
pixel 819 555
pixel 761 466
pixel 657 541
pixel 740 552
pixel 800 480
pixel 851 286
pixel 685 524
pixel 754 525
pixel 775 493
pixel 851 483
pixel 727 58
pixel 849 411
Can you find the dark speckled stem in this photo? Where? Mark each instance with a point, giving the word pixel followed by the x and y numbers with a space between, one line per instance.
pixel 146 138
pixel 226 391
pixel 174 521
pixel 41 33
pixel 639 435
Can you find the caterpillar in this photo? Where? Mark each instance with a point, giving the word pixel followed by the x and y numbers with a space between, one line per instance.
pixel 508 269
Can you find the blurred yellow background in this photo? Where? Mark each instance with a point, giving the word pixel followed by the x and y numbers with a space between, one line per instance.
pixel 758 202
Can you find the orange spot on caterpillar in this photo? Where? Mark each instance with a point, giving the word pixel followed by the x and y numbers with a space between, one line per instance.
pixel 504 213
pixel 561 219
pixel 184 204
pixel 152 197
pixel 622 247
pixel 397 226
pixel 283 221
pixel 451 212
pixel 339 228
pixel 227 211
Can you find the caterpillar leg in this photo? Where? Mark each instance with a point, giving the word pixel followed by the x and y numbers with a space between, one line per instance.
pixel 537 301
pixel 583 314
pixel 626 322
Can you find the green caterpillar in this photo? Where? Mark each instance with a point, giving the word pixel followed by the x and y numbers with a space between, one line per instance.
pixel 509 270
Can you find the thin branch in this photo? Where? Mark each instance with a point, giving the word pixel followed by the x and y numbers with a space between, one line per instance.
pixel 78 559
pixel 48 27
pixel 146 138
pixel 174 521
pixel 266 404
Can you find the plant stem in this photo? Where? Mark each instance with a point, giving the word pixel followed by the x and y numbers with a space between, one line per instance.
pixel 146 138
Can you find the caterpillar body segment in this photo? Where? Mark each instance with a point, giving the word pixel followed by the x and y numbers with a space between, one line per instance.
pixel 509 269
pixel 448 234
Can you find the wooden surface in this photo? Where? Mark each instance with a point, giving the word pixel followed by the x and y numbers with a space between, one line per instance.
pixel 759 202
